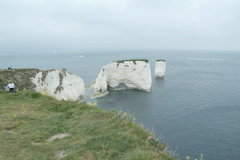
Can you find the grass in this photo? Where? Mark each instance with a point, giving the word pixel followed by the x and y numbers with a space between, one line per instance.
pixel 159 60
pixel 133 60
pixel 28 119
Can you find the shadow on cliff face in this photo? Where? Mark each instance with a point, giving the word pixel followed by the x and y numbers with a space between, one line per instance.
pixel 122 86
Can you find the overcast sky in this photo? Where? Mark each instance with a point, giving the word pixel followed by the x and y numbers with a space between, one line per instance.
pixel 120 24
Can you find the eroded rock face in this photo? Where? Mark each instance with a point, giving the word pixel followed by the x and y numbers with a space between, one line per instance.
pixel 160 68
pixel 59 84
pixel 133 74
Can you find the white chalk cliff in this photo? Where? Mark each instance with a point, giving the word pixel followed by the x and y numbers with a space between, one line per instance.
pixel 134 74
pixel 160 68
pixel 59 84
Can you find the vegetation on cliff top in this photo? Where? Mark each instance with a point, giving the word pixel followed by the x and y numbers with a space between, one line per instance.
pixel 160 60
pixel 35 126
pixel 21 77
pixel 134 60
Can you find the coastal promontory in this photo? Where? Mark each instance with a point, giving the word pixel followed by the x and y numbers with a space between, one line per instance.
pixel 56 83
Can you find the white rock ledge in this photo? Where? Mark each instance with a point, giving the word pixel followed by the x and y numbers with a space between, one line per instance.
pixel 132 74
pixel 59 84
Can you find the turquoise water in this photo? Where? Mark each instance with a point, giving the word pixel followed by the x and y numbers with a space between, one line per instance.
pixel 195 108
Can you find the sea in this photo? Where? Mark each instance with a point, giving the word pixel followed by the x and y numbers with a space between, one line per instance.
pixel 195 108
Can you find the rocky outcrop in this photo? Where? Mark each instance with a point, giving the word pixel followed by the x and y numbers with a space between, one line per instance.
pixel 59 84
pixel 56 83
pixel 129 74
pixel 160 68
pixel 20 77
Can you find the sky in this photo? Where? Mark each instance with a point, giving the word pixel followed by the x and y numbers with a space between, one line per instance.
pixel 121 24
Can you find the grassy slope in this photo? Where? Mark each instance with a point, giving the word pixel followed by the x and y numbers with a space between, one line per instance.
pixel 29 119
pixel 21 77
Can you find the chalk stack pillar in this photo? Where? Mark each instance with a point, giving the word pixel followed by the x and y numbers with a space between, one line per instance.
pixel 160 68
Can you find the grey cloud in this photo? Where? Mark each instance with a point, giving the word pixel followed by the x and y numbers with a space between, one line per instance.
pixel 126 24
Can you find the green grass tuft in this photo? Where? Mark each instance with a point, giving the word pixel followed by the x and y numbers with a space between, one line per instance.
pixel 158 60
pixel 133 60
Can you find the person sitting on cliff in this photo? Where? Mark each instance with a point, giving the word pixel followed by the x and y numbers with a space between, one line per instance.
pixel 11 87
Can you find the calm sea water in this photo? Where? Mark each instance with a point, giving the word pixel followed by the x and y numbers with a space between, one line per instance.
pixel 195 108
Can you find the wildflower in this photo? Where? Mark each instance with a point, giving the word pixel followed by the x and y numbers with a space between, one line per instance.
pixel 92 104
pixel 187 157
pixel 150 137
